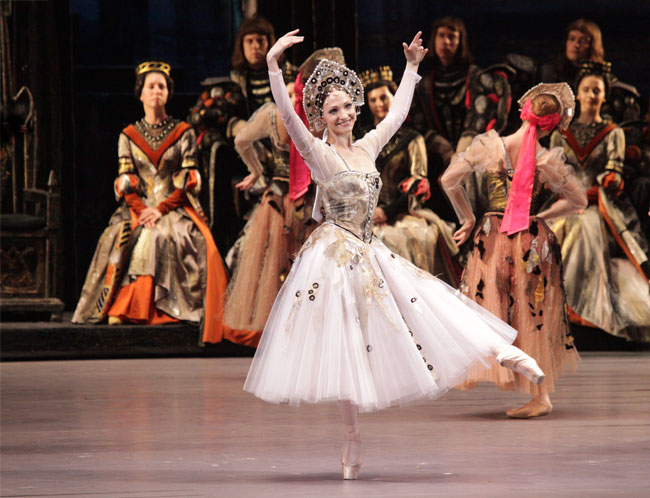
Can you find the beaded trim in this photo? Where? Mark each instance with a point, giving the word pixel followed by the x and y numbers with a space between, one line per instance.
pixel 162 130
pixel 334 75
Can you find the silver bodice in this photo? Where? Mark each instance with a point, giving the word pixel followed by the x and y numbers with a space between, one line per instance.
pixel 349 200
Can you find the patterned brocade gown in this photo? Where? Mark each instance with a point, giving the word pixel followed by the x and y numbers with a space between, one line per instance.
pixel 354 321
pixel 171 271
pixel 604 250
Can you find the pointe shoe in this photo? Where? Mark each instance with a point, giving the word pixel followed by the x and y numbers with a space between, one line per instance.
pixel 515 359
pixel 114 320
pixel 534 408
pixel 351 456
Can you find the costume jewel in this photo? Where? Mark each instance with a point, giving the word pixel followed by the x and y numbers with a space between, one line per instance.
pixel 603 69
pixel 162 124
pixel 149 66
pixel 561 91
pixel 165 128
pixel 329 74
pixel 376 75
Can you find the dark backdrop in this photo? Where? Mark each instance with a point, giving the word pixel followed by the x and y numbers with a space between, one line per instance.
pixel 109 37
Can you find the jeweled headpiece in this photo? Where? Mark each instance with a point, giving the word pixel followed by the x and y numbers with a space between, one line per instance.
pixel 149 66
pixel 593 68
pixel 562 93
pixel 328 76
pixel 381 74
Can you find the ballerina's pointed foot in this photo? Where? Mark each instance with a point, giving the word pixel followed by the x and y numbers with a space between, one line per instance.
pixel 535 408
pixel 351 472
pixel 351 455
pixel 114 320
pixel 515 359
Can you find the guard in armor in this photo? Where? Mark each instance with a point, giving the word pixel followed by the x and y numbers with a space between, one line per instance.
pixel 636 169
pixel 583 41
pixel 455 101
pixel 217 115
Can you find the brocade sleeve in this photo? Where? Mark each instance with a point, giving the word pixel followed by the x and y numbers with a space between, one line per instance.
pixel 615 150
pixel 188 178
pixel 128 180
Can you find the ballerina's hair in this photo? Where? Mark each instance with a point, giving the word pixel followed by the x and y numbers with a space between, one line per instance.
pixel 327 77
pixel 541 106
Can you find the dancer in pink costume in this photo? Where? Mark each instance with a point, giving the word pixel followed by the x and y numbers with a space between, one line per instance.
pixel 515 267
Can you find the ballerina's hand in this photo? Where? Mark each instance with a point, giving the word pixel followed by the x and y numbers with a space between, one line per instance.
pixel 415 52
pixel 283 43
pixel 248 182
pixel 463 233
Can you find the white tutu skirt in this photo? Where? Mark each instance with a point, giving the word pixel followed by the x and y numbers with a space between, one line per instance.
pixel 355 322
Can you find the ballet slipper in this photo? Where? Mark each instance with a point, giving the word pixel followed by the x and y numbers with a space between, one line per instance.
pixel 114 320
pixel 515 359
pixel 534 408
pixel 351 454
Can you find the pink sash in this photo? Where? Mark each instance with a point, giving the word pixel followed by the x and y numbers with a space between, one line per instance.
pixel 515 218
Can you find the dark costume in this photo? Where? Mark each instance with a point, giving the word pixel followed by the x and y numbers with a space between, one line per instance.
pixel 413 232
pixel 452 103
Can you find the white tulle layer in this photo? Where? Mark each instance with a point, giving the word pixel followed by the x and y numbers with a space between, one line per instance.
pixel 355 322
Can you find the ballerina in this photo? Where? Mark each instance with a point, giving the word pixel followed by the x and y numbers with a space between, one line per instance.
pixel 355 323
pixel 515 267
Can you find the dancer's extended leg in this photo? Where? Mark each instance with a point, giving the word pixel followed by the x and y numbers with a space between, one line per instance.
pixel 515 359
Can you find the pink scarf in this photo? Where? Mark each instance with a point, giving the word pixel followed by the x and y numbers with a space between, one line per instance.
pixel 517 212
pixel 299 175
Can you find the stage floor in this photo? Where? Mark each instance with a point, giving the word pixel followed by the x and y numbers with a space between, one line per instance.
pixel 183 427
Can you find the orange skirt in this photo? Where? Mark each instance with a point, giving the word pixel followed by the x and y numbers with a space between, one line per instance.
pixel 134 303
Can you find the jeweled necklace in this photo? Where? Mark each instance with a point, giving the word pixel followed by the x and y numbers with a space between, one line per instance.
pixel 162 130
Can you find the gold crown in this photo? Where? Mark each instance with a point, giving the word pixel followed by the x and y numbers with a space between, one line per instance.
pixel 148 66
pixel 377 75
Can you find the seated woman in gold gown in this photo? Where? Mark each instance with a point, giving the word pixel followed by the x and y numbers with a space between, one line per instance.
pixel 604 251
pixel 156 262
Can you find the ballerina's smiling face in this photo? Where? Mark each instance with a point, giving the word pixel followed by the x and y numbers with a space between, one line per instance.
pixel 339 112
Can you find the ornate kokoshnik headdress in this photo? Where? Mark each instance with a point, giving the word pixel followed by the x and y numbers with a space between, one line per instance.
pixel 562 93
pixel 149 66
pixel 327 76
